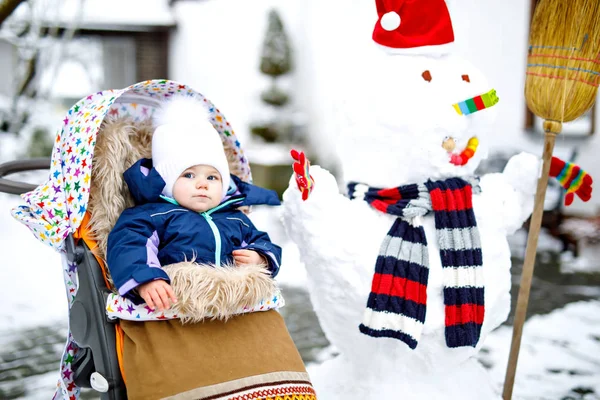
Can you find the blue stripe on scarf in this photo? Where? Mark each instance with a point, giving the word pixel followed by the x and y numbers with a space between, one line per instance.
pixel 465 295
pixel 396 305
pixel 402 229
pixel 458 335
pixel 454 219
pixel 412 343
pixel 461 258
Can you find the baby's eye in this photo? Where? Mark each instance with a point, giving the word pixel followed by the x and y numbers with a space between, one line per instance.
pixel 188 175
pixel 213 178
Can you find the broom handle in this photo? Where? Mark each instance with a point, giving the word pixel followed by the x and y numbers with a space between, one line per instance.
pixel 528 265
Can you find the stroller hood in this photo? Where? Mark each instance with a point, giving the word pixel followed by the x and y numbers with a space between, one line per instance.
pixel 56 208
pixel 145 185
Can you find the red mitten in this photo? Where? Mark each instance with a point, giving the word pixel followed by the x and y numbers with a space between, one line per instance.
pixel 301 167
pixel 575 180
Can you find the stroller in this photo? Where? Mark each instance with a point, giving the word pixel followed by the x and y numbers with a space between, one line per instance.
pixel 74 211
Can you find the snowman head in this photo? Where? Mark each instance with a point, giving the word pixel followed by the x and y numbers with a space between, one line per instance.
pixel 428 112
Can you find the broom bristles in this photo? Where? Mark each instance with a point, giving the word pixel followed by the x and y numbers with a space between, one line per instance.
pixel 563 65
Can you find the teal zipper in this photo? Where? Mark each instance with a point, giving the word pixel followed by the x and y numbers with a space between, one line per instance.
pixel 215 229
pixel 217 234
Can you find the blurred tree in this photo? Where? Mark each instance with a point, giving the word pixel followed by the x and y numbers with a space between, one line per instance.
pixel 276 60
pixel 40 143
pixel 36 29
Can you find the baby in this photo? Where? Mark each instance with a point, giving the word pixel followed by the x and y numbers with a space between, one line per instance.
pixel 187 208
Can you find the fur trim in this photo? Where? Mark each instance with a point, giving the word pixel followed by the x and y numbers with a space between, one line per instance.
pixel 219 293
pixel 120 143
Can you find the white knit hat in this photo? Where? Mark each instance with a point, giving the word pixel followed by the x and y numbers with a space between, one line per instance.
pixel 184 137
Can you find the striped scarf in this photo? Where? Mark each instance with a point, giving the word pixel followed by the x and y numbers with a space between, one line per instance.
pixel 397 302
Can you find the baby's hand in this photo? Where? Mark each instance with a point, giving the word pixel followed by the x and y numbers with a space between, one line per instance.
pixel 157 293
pixel 248 257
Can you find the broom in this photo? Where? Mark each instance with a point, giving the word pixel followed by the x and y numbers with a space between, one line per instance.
pixel 563 73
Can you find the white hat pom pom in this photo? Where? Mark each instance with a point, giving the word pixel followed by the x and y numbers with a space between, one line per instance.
pixel 390 21
pixel 181 110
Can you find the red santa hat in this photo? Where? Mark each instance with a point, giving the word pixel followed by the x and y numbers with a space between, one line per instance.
pixel 413 26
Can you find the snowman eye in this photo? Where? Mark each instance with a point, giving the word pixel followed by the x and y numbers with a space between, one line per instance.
pixel 466 78
pixel 426 75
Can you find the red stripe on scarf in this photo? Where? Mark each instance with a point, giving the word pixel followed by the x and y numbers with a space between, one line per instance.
pixel 390 193
pixel 464 314
pixel 451 200
pixel 380 205
pixel 390 285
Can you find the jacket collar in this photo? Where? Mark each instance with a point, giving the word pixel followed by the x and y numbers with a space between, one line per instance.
pixel 146 185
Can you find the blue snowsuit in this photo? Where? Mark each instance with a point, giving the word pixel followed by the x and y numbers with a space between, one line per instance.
pixel 158 232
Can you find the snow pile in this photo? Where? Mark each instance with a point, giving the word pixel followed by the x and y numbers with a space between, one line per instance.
pixel 559 357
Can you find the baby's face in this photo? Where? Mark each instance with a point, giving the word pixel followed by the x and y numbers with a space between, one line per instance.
pixel 199 188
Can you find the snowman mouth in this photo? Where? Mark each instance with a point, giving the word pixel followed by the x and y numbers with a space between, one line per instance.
pixel 461 158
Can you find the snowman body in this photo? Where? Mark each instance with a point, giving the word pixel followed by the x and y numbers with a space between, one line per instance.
pixel 393 136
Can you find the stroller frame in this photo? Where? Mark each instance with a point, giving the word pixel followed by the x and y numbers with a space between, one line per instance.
pixel 96 364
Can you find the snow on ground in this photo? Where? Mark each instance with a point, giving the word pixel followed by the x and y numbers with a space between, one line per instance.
pixel 9 146
pixel 32 288
pixel 559 356
pixel 586 262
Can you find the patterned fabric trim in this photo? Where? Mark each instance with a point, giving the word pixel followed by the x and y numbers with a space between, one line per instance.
pixel 273 386
pixel 66 388
pixel 118 307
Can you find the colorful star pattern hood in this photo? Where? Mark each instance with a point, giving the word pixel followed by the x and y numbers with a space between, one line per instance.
pixel 56 208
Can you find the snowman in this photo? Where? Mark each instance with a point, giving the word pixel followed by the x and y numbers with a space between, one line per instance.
pixel 409 269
